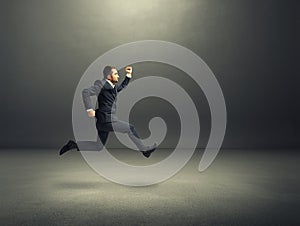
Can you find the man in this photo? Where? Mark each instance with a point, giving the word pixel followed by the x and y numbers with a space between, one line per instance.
pixel 107 121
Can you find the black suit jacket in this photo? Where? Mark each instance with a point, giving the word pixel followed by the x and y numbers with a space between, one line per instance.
pixel 107 97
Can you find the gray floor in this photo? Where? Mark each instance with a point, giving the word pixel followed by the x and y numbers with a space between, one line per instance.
pixel 242 187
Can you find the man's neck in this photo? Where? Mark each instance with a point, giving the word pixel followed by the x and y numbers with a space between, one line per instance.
pixel 112 85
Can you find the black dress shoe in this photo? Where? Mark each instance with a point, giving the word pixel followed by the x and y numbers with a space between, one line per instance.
pixel 70 145
pixel 149 151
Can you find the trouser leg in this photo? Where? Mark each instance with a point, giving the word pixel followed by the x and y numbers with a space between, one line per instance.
pixel 92 145
pixel 103 135
pixel 124 127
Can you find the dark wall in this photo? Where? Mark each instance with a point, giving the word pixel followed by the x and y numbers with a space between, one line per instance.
pixel 251 46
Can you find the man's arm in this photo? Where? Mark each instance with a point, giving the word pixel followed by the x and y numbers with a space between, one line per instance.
pixel 126 80
pixel 124 83
pixel 87 93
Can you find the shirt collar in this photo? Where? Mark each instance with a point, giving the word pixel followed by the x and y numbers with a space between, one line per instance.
pixel 112 85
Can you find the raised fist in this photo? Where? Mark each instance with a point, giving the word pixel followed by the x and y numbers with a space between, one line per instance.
pixel 128 70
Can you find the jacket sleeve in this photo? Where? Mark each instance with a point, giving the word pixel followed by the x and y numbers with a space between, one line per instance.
pixel 88 92
pixel 123 84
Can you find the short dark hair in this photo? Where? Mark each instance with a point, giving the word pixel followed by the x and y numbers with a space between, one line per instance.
pixel 107 70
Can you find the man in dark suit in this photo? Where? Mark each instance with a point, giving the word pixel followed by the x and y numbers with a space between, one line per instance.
pixel 107 121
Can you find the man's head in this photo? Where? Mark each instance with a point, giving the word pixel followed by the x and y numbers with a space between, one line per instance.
pixel 111 73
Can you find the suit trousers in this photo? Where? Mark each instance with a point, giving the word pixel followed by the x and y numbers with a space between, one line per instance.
pixel 103 131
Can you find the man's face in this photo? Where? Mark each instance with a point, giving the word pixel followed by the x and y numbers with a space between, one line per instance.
pixel 114 76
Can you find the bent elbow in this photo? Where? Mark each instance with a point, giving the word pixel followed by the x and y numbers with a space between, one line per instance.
pixel 85 92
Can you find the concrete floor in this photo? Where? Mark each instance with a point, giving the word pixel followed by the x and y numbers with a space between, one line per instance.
pixel 242 187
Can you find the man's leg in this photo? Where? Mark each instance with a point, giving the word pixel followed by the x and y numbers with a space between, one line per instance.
pixel 92 145
pixel 124 127
pixel 103 135
pixel 103 132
